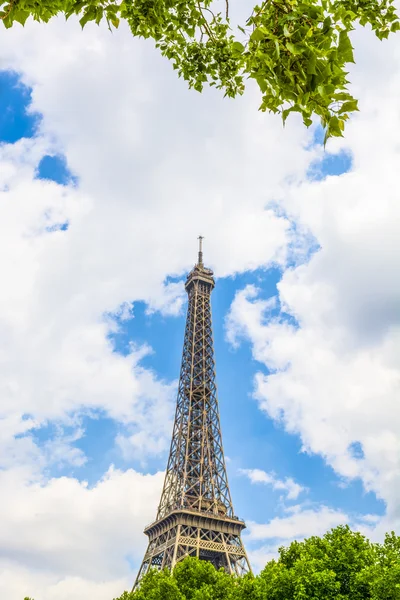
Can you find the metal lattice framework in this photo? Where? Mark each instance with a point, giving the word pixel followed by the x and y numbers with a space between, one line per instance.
pixel 195 516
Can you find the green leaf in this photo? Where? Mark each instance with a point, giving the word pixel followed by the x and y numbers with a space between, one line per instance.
pixel 311 70
pixel 238 47
pixel 262 84
pixel 345 49
pixel 115 21
pixel 286 31
pixel 287 111
pixel 328 89
pixel 293 49
pixel 350 106
pixel 89 15
pixel 99 15
pixel 327 25
pixel 78 6
pixel 21 16
pixel 334 127
pixel 341 96
pixel 7 21
pixel 305 99
pixel 257 35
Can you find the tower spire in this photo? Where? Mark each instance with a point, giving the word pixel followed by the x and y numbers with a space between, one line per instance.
pixel 195 516
pixel 200 260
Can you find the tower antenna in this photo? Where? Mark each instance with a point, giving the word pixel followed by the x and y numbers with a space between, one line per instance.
pixel 200 261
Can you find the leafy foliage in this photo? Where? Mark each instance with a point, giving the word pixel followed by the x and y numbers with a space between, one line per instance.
pixel 296 50
pixel 341 565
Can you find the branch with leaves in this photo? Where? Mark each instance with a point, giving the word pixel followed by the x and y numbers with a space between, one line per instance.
pixel 296 50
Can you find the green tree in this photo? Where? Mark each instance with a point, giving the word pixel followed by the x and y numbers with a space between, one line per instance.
pixel 324 568
pixel 199 580
pixel 192 579
pixel 125 596
pixel 383 576
pixel 156 586
pixel 296 50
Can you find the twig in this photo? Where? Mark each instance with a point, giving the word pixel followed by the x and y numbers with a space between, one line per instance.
pixel 209 32
pixel 9 10
pixel 261 9
pixel 227 9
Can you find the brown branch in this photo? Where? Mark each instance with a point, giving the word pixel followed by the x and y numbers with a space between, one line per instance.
pixel 9 10
pixel 227 9
pixel 206 26
pixel 261 9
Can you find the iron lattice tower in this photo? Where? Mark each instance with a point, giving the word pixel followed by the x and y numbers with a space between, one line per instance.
pixel 195 516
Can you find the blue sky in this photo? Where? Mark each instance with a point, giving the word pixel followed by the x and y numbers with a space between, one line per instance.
pixel 252 441
pixel 97 221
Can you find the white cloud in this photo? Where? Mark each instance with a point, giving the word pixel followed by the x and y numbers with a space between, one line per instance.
pixel 287 485
pixel 59 450
pixel 154 168
pixel 141 179
pixel 18 582
pixel 157 165
pixel 331 393
pixel 60 536
pixel 334 367
pixel 56 358
pixel 149 156
pixel 300 522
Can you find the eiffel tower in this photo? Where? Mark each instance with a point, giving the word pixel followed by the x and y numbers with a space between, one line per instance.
pixel 195 516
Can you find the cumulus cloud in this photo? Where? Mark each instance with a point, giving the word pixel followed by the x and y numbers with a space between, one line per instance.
pixel 332 393
pixel 147 155
pixel 141 177
pixel 299 522
pixel 61 536
pixel 19 581
pixel 332 354
pixel 291 489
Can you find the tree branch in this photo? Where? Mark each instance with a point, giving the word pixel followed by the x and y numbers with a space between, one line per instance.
pixel 9 10
pixel 206 26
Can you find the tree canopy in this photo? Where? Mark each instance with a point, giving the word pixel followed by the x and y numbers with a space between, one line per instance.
pixel 341 565
pixel 296 50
